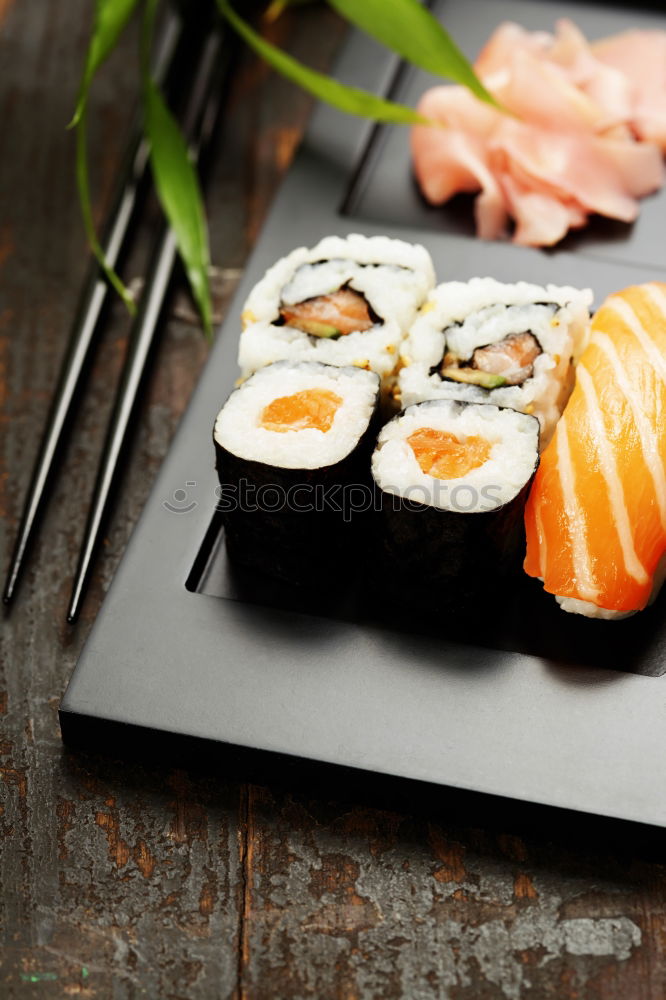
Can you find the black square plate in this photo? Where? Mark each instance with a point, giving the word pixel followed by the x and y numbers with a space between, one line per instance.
pixel 544 708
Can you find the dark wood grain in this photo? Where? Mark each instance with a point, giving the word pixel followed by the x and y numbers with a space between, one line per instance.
pixel 120 880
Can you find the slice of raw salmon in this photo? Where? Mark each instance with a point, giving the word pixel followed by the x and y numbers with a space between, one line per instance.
pixel 445 456
pixel 334 315
pixel 310 408
pixel 513 357
pixel 596 515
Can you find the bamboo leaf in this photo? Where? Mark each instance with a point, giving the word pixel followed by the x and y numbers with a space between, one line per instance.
pixel 176 180
pixel 350 99
pixel 111 16
pixel 83 185
pixel 180 196
pixel 407 27
pixel 277 8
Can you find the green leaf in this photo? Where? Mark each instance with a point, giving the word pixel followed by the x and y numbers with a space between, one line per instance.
pixel 407 27
pixel 349 99
pixel 277 8
pixel 83 185
pixel 176 180
pixel 111 16
pixel 178 190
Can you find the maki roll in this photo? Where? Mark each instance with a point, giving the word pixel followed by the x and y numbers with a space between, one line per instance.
pixel 487 342
pixel 290 443
pixel 453 479
pixel 343 302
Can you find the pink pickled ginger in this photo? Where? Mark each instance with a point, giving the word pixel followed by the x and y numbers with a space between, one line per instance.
pixel 586 133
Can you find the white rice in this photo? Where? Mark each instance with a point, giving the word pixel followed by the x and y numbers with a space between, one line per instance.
pixel 589 610
pixel 238 430
pixel 577 607
pixel 394 276
pixel 515 443
pixel 462 316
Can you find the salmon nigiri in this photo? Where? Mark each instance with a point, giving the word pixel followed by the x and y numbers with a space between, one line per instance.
pixel 596 515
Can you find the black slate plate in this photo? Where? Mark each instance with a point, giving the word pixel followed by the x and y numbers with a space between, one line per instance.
pixel 521 701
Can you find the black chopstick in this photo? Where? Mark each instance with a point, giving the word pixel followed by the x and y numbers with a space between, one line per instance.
pixel 200 114
pixel 86 324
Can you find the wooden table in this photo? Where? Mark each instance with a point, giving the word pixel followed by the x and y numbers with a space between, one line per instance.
pixel 123 880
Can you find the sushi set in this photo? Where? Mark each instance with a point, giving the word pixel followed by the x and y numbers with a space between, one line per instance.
pixel 432 464
pixel 485 374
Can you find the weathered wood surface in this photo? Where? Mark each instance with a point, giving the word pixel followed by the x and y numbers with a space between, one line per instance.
pixel 123 881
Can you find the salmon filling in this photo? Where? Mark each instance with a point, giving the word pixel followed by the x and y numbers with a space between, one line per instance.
pixel 444 456
pixel 508 362
pixel 311 408
pixel 333 315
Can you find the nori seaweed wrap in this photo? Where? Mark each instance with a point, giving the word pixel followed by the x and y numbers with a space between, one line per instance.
pixel 293 446
pixel 452 480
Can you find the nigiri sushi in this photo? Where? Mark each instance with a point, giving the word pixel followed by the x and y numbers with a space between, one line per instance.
pixel 596 516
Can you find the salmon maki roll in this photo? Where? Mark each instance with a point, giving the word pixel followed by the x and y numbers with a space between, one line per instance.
pixel 452 479
pixel 511 345
pixel 291 444
pixel 596 515
pixel 346 301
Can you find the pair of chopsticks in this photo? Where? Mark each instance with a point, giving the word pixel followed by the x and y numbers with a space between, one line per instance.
pixel 200 113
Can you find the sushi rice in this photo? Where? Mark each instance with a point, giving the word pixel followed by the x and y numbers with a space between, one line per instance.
pixel 238 426
pixel 394 277
pixel 514 440
pixel 462 317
